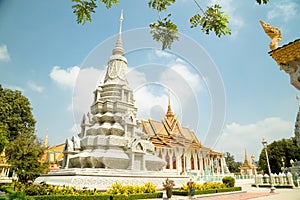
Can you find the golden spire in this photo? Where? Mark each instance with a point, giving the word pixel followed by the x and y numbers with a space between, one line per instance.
pixel 46 143
pixel 246 156
pixel 169 111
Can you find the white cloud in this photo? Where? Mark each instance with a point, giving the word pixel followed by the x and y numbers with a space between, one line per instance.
pixel 180 60
pixel 65 78
pixel 4 56
pixel 136 78
pixel 191 78
pixel 285 9
pixel 35 87
pixel 236 137
pixel 162 54
pixel 146 102
pixel 87 81
pixel 181 81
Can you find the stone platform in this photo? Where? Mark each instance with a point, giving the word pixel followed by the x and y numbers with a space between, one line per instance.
pixel 101 179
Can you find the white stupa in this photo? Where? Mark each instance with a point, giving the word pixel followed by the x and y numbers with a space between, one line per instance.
pixel 111 146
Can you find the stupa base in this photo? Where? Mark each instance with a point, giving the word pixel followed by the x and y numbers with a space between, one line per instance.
pixel 102 179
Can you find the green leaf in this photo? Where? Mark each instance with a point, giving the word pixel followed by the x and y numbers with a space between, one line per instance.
pixel 212 20
pixel 262 1
pixel 83 10
pixel 165 32
pixel 110 3
pixel 160 5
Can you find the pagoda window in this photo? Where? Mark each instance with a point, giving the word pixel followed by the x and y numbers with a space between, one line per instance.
pixel 168 161
pixel 126 96
pixel 198 162
pixel 182 163
pixel 159 155
pixel 192 162
pixel 174 162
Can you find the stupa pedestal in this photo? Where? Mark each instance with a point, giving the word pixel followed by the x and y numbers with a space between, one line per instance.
pixel 101 179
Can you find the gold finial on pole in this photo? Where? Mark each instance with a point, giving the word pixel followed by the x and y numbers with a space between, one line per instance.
pixel 297 98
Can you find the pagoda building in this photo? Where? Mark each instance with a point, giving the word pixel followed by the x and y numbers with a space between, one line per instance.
pixel 181 149
pixel 247 168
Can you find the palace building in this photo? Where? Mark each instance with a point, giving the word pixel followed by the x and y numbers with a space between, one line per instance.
pixel 180 147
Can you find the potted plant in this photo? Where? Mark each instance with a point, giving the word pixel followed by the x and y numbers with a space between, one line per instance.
pixel 168 185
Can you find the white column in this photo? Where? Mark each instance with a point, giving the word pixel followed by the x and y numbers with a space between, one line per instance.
pixel 201 163
pixel 222 165
pixel 188 161
pixel 218 165
pixel 212 165
pixel 163 154
pixel 195 161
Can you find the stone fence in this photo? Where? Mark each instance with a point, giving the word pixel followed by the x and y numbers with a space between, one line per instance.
pixel 280 179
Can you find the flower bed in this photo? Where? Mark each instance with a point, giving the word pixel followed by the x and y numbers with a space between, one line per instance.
pixel 208 188
pixel 116 191
pixel 100 197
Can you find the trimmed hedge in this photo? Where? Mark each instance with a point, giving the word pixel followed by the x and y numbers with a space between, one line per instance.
pixel 138 196
pixel 228 181
pixel 211 191
pixel 231 189
pixel 100 197
pixel 67 197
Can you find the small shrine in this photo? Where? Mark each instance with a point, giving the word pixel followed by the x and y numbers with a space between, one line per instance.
pixel 247 168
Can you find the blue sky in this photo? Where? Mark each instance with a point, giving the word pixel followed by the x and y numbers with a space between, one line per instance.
pixel 56 63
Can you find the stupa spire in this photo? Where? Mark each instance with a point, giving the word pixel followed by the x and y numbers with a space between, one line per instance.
pixel 169 113
pixel 246 156
pixel 117 63
pixel 46 143
pixel 119 47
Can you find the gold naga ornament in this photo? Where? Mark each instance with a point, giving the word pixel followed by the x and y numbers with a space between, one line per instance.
pixel 273 32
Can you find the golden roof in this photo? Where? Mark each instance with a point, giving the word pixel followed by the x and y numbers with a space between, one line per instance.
pixel 169 132
pixel 286 53
pixel 57 150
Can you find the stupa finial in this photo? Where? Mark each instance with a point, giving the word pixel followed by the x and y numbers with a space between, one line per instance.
pixel 121 21
pixel 169 111
pixel 119 47
pixel 46 142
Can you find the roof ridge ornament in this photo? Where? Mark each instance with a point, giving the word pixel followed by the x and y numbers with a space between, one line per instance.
pixel 273 32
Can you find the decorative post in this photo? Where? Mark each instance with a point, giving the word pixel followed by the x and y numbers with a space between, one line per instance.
pixel 264 142
pixel 254 169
